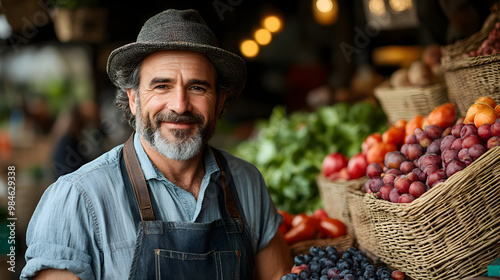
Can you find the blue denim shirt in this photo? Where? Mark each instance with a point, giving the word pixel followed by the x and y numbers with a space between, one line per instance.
pixel 84 222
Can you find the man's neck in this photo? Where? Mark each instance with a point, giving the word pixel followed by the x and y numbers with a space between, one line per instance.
pixel 186 174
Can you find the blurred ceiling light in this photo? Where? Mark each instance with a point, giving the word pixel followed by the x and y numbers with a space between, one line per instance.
pixel 249 48
pixel 263 36
pixel 377 7
pixel 324 6
pixel 325 11
pixel 400 5
pixel 272 23
pixel 5 28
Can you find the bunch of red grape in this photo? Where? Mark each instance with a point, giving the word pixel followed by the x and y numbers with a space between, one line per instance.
pixel 490 45
pixel 428 157
pixel 332 264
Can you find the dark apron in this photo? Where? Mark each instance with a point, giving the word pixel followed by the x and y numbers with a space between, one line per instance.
pixel 181 250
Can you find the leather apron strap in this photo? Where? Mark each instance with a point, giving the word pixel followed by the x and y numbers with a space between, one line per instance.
pixel 136 176
pixel 231 209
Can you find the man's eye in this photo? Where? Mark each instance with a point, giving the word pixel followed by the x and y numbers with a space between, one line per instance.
pixel 198 88
pixel 160 87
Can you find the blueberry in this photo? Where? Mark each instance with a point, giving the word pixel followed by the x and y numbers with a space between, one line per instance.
pixel 370 268
pixel 358 257
pixel 304 274
pixel 344 272
pixel 364 263
pixel 321 253
pixel 346 255
pixel 288 277
pixel 369 274
pixel 359 272
pixel 307 258
pixel 330 250
pixel 314 250
pixel 325 262
pixel 334 258
pixel 349 277
pixel 324 271
pixel 352 250
pixel 324 277
pixel 385 274
pixel 343 265
pixel 315 267
pixel 299 259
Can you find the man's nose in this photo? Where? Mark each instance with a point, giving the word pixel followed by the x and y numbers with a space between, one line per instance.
pixel 180 102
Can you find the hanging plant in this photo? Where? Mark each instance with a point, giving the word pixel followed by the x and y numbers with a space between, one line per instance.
pixel 80 21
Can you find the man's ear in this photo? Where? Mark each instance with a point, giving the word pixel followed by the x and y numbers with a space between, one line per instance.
pixel 131 100
pixel 220 103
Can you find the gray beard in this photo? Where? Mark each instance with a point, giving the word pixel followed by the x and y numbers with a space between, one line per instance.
pixel 185 146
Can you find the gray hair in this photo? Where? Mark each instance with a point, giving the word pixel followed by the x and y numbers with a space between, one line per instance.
pixel 130 78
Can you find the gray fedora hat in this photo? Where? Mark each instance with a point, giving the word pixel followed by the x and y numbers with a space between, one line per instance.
pixel 180 30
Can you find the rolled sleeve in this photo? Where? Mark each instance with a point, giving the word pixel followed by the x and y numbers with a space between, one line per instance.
pixel 44 256
pixel 61 234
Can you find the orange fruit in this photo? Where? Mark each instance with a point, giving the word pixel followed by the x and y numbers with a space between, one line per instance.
pixel 443 115
pixel 377 152
pixel 401 124
pixel 472 111
pixel 488 100
pixel 416 122
pixel 394 135
pixel 486 115
pixel 371 140
pixel 497 109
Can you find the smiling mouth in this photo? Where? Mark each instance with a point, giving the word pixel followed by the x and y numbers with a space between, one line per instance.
pixel 179 125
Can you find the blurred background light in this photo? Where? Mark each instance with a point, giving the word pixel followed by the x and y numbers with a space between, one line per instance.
pixel 325 11
pixel 377 7
pixel 272 23
pixel 249 48
pixel 324 6
pixel 263 36
pixel 400 5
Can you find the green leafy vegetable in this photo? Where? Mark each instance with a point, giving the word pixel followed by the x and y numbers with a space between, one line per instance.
pixel 289 149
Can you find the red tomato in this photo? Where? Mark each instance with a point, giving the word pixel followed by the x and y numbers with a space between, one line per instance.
pixel 332 227
pixel 299 218
pixel 320 214
pixel 283 228
pixel 287 217
pixel 356 167
pixel 302 231
pixel 333 163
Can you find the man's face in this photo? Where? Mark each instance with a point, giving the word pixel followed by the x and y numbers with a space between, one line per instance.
pixel 177 106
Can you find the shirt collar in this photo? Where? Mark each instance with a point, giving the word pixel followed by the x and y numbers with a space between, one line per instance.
pixel 151 172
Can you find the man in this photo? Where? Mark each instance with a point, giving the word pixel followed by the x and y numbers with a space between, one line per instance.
pixel 165 205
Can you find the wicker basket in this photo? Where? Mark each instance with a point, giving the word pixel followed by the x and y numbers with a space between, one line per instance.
pixel 451 232
pixel 469 78
pixel 340 243
pixel 404 103
pixel 333 195
pixel 361 224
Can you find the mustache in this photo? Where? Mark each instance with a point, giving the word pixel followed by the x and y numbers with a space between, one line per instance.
pixel 187 117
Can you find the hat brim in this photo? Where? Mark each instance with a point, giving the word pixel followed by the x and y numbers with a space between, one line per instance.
pixel 231 69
